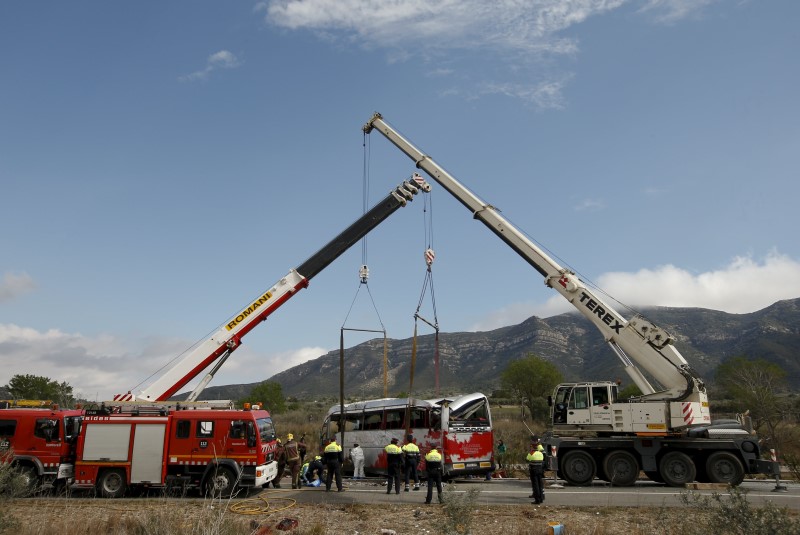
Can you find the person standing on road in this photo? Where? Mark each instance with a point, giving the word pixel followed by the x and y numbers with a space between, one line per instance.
pixel 394 462
pixel 357 456
pixel 411 454
pixel 433 466
pixel 280 456
pixel 293 459
pixel 535 460
pixel 501 454
pixel 333 460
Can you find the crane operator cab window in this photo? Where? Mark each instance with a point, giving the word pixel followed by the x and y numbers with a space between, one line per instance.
pixel 600 395
pixel 580 398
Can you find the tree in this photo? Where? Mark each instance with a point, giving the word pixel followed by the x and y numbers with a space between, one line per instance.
pixel 270 393
pixel 38 387
pixel 531 379
pixel 758 386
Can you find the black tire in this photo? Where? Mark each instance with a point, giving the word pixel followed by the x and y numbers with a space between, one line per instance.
pixel 621 468
pixel 578 468
pixel 28 481
pixel 112 483
pixel 60 488
pixel 724 467
pixel 677 469
pixel 221 482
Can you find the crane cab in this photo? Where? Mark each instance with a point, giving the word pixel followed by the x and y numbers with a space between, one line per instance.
pixel 584 405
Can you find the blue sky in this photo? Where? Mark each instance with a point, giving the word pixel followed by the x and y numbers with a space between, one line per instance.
pixel 162 163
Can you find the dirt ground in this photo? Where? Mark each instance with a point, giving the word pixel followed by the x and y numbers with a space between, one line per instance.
pixel 262 515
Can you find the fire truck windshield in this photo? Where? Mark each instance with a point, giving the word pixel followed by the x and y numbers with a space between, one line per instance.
pixel 266 430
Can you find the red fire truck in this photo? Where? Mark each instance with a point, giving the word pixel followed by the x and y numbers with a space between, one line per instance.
pixel 40 443
pixel 216 451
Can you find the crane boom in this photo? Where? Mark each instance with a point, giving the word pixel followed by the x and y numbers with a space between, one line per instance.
pixel 223 342
pixel 639 343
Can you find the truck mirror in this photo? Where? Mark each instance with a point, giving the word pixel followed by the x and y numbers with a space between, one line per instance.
pixel 549 401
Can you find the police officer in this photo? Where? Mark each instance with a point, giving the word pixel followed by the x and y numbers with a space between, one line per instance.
pixel 535 460
pixel 411 454
pixel 394 462
pixel 333 460
pixel 433 465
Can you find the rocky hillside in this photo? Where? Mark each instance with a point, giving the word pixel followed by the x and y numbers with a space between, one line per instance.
pixel 471 361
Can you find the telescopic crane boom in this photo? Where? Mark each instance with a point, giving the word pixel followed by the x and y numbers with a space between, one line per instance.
pixel 641 345
pixel 216 349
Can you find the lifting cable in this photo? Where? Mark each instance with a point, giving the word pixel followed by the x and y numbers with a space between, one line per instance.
pixel 363 275
pixel 427 284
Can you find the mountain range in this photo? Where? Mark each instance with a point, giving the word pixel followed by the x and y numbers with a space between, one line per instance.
pixel 473 361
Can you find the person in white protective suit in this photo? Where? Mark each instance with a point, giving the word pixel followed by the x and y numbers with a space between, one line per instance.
pixel 357 456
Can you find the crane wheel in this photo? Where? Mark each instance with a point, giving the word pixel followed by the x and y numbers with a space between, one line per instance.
pixel 677 469
pixel 578 468
pixel 724 467
pixel 621 468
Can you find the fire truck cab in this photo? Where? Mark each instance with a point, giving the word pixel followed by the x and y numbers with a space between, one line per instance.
pixel 215 451
pixel 40 443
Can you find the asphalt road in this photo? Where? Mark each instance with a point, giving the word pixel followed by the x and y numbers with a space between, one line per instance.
pixel 516 491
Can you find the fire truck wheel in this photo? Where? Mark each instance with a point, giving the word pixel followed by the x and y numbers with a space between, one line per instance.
pixel 111 483
pixel 221 482
pixel 677 469
pixel 29 480
pixel 724 467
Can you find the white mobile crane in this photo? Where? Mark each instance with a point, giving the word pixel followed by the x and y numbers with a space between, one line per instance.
pixel 667 432
pixel 216 349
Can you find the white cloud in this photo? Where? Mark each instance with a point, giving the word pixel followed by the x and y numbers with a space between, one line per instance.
pixel 218 60
pixel 13 285
pixel 99 367
pixel 671 11
pixel 590 205
pixel 513 35
pixel 742 286
pixel 451 24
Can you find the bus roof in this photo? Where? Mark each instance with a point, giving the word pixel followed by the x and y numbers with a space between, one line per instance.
pixel 455 402
pixel 380 403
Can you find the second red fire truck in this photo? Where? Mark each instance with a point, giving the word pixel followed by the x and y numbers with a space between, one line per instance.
pixel 216 451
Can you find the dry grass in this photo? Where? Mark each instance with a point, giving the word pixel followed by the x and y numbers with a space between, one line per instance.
pixel 187 516
pixel 261 515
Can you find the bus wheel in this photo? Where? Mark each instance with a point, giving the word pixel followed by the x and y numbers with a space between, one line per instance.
pixel 724 467
pixel 621 468
pixel 221 482
pixel 111 483
pixel 677 469
pixel 578 468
